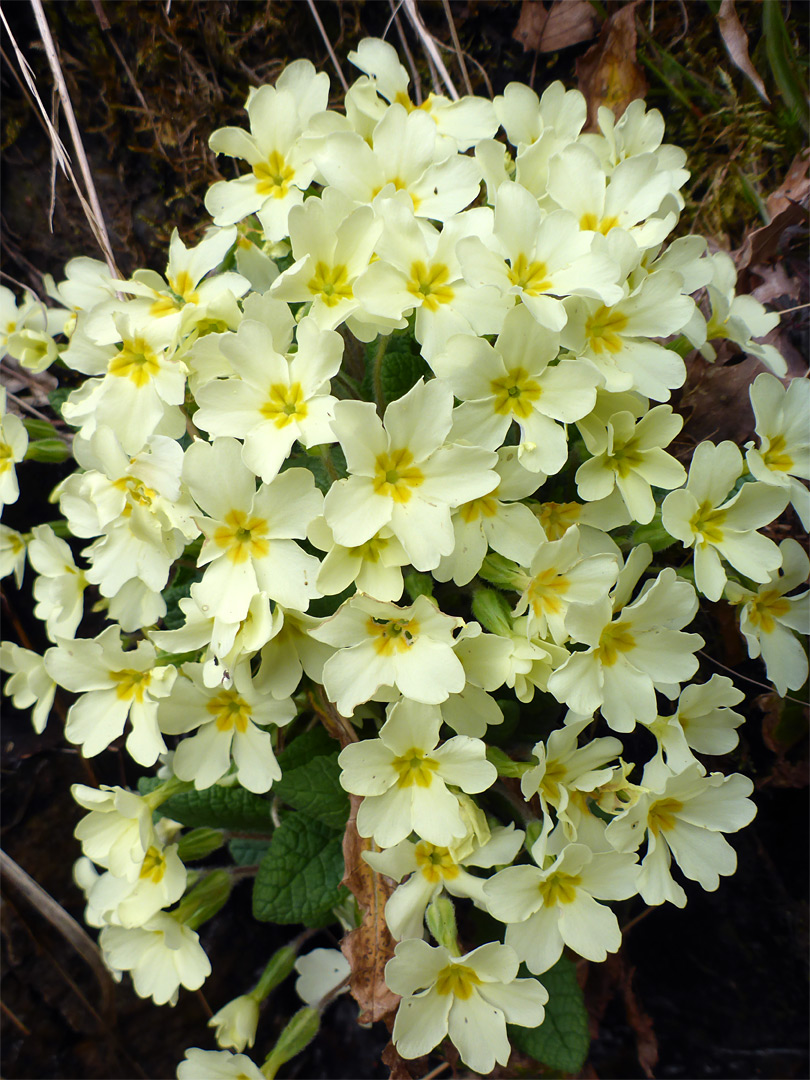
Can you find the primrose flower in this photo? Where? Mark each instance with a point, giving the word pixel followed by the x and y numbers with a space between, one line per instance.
pixel 629 455
pixel 702 721
pixel 768 617
pixel 12 554
pixel 497 520
pixel 161 881
pixel 274 400
pixel 250 535
pixel 217 1065
pixel 28 683
pixel 403 475
pixel 561 575
pixel 320 971
pixel 162 955
pixel 556 903
pixel 229 723
pixel 115 685
pixel 375 565
pixel 401 153
pixel 281 169
pixel 382 645
pixel 333 243
pixel 13 445
pixel 783 456
pixel 118 831
pixel 616 338
pixel 701 515
pixel 431 869
pixel 404 776
pixel 59 589
pixel 537 258
pixel 683 815
pixel 738 318
pixel 470 998
pixel 418 270
pixel 629 656
pixel 235 1023
pixel 513 381
pixel 460 123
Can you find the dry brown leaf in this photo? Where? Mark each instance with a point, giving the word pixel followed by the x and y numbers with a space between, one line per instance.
pixel 368 948
pixel 715 402
pixel 608 73
pixel 565 23
pixel 735 40
pixel 795 188
pixel 775 283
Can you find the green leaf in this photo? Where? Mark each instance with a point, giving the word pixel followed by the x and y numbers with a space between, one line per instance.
pixel 247 851
pixel 315 790
pixel 299 877
pixel 400 371
pixel 216 807
pixel 58 397
pixel 308 745
pixel 562 1040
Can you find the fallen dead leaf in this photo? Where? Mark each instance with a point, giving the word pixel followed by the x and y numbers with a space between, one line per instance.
pixel 794 188
pixel 735 40
pixel 566 22
pixel 714 401
pixel 775 283
pixel 368 948
pixel 608 73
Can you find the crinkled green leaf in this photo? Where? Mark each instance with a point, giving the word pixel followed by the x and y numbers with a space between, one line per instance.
pixel 217 807
pixel 562 1040
pixel 299 877
pixel 247 851
pixel 308 745
pixel 314 789
pixel 402 366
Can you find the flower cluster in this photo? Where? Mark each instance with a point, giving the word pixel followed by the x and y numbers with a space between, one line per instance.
pixel 416 381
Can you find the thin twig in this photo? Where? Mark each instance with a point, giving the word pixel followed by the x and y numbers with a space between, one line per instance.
pixel 328 45
pixel 429 45
pixel 65 923
pixel 747 678
pixel 457 45
pixel 34 412
pixel 417 82
pixel 97 218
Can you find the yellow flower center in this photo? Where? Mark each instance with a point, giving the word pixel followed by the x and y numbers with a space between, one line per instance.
pixel 414 768
pixel 661 815
pixel 775 457
pixel 132 685
pixel 230 711
pixel 559 888
pixel 546 592
pixel 370 550
pixel 458 980
pixel 589 221
pixel 429 284
pixel 137 493
pixel 183 285
pixel 436 863
pixel 285 404
pixel 392 635
pixel 273 176
pixel 532 277
pixel 243 537
pixel 395 475
pixel 603 328
pixel 331 284
pixel 135 361
pixel 515 392
pixel 553 777
pixel 625 459
pixel 154 866
pixel 486 507
pixel 557 518
pixel 6 458
pixel 706 523
pixel 615 638
pixel 767 608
